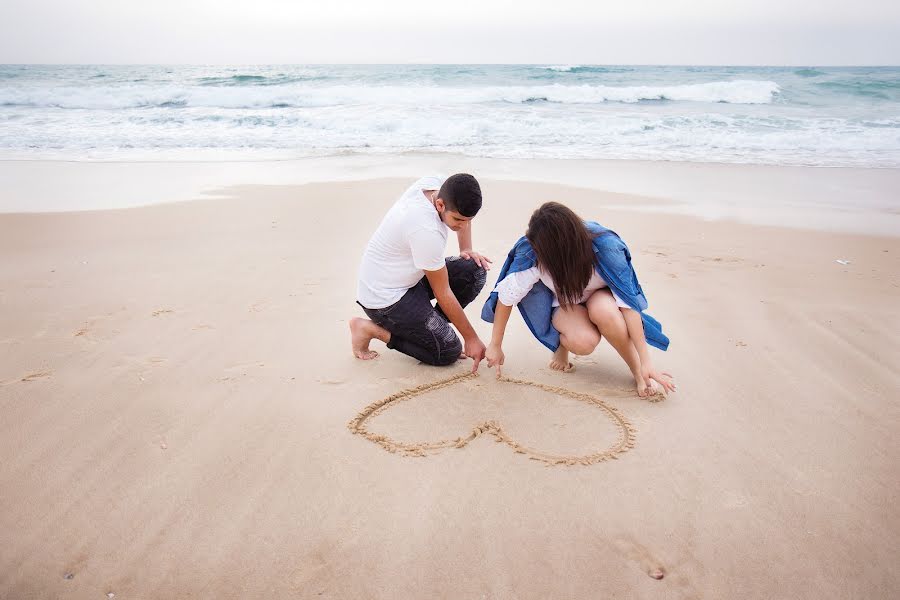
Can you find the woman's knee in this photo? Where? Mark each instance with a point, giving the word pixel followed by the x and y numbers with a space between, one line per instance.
pixel 582 343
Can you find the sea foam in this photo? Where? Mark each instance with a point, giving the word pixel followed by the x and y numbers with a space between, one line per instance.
pixel 818 116
pixel 296 95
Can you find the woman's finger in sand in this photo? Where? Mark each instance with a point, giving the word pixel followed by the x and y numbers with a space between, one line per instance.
pixel 666 380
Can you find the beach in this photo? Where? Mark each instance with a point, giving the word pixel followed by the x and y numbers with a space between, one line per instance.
pixel 177 385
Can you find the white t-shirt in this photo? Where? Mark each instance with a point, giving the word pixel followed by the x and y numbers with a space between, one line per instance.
pixel 410 240
pixel 516 286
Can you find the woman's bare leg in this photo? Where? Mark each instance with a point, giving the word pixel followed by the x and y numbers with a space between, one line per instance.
pixel 605 314
pixel 560 360
pixel 576 335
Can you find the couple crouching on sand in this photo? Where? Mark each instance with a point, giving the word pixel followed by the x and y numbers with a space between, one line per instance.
pixel 572 280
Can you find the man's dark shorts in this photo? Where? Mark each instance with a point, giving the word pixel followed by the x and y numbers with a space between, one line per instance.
pixel 421 330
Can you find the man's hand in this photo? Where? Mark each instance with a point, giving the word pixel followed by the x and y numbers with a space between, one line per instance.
pixel 474 349
pixel 495 357
pixel 482 261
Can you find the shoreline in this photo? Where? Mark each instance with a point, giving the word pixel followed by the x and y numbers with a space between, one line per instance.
pixel 415 153
pixel 847 199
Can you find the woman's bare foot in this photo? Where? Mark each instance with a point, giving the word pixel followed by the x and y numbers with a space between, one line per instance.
pixel 363 331
pixel 560 360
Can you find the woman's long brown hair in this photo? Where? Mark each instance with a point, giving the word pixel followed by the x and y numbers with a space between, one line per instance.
pixel 564 249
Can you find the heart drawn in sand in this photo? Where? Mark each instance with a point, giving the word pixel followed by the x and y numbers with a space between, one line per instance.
pixel 624 442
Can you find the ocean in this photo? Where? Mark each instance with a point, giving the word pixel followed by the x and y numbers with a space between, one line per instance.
pixel 822 116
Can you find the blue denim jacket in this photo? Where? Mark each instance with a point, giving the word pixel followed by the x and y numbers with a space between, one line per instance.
pixel 613 265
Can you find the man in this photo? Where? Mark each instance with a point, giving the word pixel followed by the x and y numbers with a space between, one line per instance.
pixel 403 269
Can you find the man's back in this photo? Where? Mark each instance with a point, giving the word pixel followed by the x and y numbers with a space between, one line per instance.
pixel 410 239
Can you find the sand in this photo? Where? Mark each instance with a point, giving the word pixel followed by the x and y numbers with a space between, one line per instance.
pixel 176 385
pixel 624 442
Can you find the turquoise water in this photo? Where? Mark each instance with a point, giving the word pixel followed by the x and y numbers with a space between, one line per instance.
pixel 764 115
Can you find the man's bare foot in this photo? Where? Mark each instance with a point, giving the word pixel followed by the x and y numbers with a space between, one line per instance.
pixel 560 360
pixel 363 331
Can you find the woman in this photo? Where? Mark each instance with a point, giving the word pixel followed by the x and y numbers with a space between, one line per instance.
pixel 573 283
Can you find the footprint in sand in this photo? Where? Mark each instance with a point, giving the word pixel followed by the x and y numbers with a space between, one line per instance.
pixel 624 431
pixel 656 253
pixel 682 573
pixel 98 327
pixel 75 566
pixel 719 259
pixel 35 375
pixel 640 555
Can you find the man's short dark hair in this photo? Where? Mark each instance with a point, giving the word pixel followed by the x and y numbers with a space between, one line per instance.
pixel 461 193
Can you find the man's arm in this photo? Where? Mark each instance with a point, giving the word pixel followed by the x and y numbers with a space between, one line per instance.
pixel 464 237
pixel 440 285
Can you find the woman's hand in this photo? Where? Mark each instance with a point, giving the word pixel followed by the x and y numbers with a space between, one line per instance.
pixel 650 374
pixel 495 357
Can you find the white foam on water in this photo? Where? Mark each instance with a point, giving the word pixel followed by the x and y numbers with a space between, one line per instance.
pixel 299 95
pixel 743 115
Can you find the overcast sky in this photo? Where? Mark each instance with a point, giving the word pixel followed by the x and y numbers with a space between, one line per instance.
pixel 742 32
